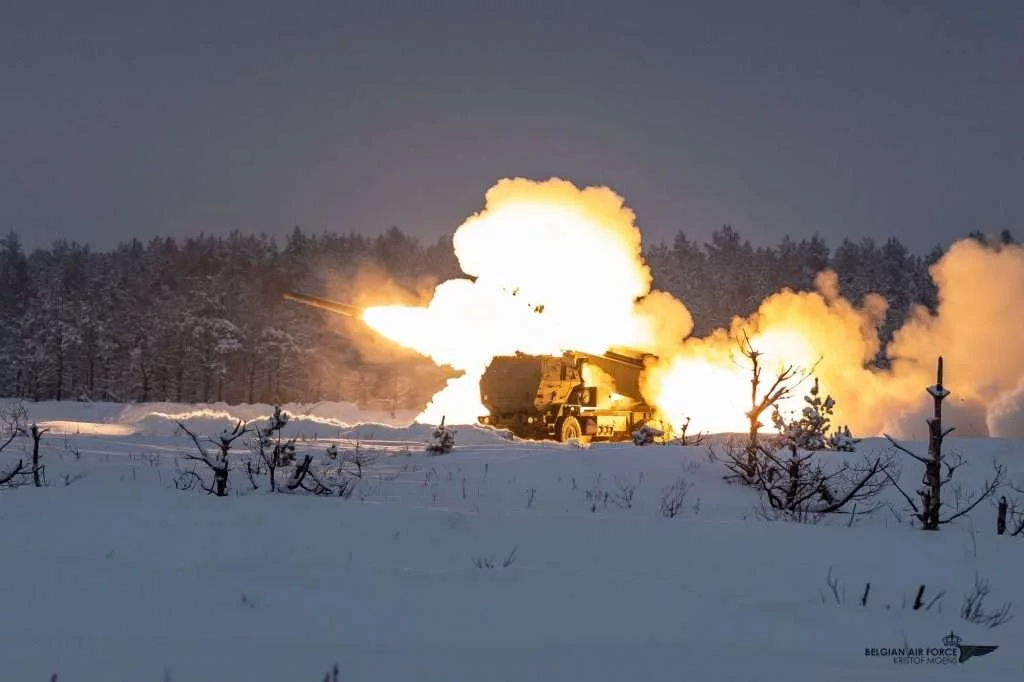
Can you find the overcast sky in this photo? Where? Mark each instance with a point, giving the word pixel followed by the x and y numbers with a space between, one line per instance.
pixel 122 119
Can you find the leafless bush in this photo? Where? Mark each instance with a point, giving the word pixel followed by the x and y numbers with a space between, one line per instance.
pixel 13 424
pixel 686 439
pixel 765 512
pixel 358 459
pixel 673 498
pixel 836 593
pixel 187 480
pixel 483 562
pixel 747 465
pixel 306 477
pixel 624 491
pixel 219 462
pixel 14 475
pixel 795 483
pixel 596 494
pixel 975 611
pixel 804 485
pixel 13 419
pixel 489 561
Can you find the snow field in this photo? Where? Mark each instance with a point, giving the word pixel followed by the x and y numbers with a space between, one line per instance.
pixel 118 576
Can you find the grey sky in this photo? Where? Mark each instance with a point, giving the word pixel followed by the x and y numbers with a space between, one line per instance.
pixel 123 119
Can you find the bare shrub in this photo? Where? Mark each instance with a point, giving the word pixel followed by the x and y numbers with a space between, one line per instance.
pixel 358 459
pixel 219 462
pixel 307 477
pixel 975 611
pixel 836 593
pixel 596 494
pixel 13 419
pixel 746 466
pixel 685 438
pixel 624 491
pixel 14 424
pixel 490 562
pixel 804 485
pixel 673 498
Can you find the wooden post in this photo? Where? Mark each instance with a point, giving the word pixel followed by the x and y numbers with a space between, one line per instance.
pixel 1001 516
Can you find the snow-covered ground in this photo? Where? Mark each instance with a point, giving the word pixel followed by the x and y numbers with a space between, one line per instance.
pixel 119 576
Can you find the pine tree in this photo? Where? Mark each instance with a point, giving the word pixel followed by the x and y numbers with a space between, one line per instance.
pixel 810 431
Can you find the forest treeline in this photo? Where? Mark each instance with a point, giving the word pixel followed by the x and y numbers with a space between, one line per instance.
pixel 203 319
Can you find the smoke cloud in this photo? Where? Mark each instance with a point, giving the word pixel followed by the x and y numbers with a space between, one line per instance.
pixel 554 267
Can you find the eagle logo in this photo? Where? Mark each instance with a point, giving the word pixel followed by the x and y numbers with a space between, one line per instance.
pixel 967 650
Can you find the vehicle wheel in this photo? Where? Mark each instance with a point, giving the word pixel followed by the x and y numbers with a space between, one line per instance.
pixel 569 430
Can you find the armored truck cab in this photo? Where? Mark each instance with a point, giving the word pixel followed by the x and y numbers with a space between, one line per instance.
pixel 552 397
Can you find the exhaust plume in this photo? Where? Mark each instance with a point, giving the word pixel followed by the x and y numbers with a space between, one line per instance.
pixel 556 267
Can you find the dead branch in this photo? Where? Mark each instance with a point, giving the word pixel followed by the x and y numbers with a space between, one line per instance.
pixel 10 439
pixel 988 489
pixel 801 487
pixel 7 477
pixel 899 447
pixel 974 610
pixel 673 498
pixel 833 586
pixel 909 499
pixel 252 476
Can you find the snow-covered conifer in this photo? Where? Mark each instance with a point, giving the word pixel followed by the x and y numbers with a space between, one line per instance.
pixel 442 440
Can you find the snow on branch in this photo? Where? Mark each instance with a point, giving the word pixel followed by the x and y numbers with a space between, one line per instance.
pixel 218 462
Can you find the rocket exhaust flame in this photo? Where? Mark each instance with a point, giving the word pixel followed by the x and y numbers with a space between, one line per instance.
pixel 555 268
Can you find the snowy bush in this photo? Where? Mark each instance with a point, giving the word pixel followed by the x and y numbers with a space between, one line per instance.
pixel 270 447
pixel 842 440
pixel 442 440
pixel 810 431
pixel 646 435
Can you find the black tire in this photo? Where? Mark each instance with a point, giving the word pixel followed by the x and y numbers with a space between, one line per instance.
pixel 569 429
